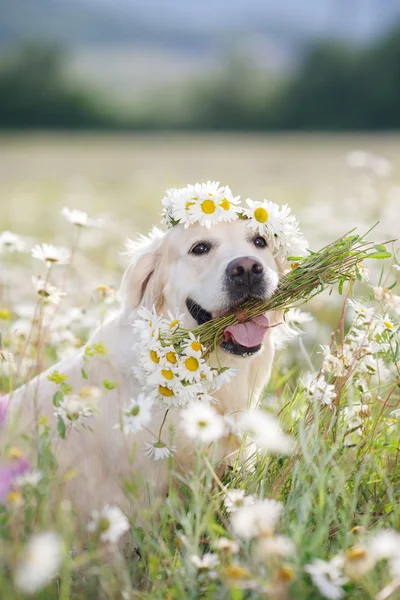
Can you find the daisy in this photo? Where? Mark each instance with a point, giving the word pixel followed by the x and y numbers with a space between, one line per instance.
pixel 319 389
pixel 225 375
pixel 192 346
pixel 74 409
pixel 169 355
pixel 29 479
pixel 172 322
pixel 11 242
pixel 80 218
pixel 265 431
pixel 137 415
pixel 40 562
pixel 110 523
pixel 235 499
pixel 193 369
pixel 276 545
pixel 158 450
pixel 150 357
pixel 205 563
pixel 228 205
pixel 264 216
pixel 7 364
pixel 202 423
pixel 51 255
pixel 205 207
pixel 48 292
pixel 224 544
pixel 328 577
pixel 256 520
pixel 149 324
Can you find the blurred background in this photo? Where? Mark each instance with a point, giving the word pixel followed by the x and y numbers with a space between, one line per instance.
pixel 105 103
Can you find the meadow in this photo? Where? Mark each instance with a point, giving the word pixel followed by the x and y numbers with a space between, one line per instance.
pixel 320 522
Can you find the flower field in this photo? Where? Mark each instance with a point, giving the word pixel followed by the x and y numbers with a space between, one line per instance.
pixel 314 511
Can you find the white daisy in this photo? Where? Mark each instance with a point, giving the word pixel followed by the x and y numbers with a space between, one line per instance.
pixel 228 205
pixel 193 369
pixel 137 414
pixel 263 216
pixel 48 292
pixel 149 324
pixel 265 431
pixel 81 218
pixel 224 544
pixel 110 523
pixel 318 389
pixel 158 450
pixel 205 563
pixel 11 242
pixel 172 322
pixel 150 357
pixel 50 254
pixel 236 498
pixel 74 409
pixel 256 520
pixel 192 346
pixel 29 479
pixel 7 363
pixel 202 423
pixel 40 562
pixel 328 577
pixel 276 545
pixel 225 375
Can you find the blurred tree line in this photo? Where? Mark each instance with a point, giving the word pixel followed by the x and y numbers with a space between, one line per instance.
pixel 335 88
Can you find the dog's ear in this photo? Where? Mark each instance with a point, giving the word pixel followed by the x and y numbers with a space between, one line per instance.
pixel 144 279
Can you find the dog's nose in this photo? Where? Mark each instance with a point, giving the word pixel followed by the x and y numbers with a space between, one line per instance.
pixel 246 271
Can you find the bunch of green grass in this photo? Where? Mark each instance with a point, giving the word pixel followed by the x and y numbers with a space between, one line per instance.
pixel 336 263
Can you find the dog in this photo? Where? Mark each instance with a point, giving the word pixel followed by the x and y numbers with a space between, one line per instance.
pixel 204 273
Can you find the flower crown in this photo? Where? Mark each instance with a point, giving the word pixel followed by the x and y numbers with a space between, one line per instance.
pixel 209 204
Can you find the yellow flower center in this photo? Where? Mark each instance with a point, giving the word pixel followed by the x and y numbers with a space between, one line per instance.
pixel 167 374
pixel 189 204
pixel 154 357
pixel 208 207
pixel 5 314
pixel 285 574
pixel 174 324
pixel 225 204
pixel 388 324
pixel 14 452
pixel 261 214
pixel 192 364
pixel 196 346
pixel 356 553
pixel 171 357
pixel 164 391
pixel 14 497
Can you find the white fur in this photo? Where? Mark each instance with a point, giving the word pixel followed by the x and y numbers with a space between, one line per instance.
pixel 163 273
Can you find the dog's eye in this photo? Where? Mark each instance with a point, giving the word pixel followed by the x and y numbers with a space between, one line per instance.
pixel 260 242
pixel 201 248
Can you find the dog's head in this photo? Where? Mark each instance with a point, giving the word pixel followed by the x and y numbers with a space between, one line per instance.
pixel 204 273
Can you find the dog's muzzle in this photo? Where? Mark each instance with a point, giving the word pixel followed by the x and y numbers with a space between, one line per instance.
pixel 245 278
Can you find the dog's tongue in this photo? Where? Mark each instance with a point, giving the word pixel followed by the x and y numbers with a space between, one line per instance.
pixel 248 334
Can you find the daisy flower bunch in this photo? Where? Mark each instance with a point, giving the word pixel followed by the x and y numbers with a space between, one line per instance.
pixel 173 374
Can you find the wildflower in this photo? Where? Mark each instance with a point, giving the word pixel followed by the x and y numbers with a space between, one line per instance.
pixel 319 389
pixel 51 255
pixel 40 562
pixel 81 218
pixel 9 472
pixel 192 346
pixel 225 375
pixel 137 414
pixel 235 499
pixel 158 450
pixel 224 544
pixel 74 409
pixel 148 326
pixel 11 242
pixel 47 291
pixel 265 432
pixel 385 544
pixel 358 561
pixel 328 577
pixel 7 363
pixel 110 523
pixel 263 216
pixel 105 293
pixel 332 364
pixel 275 545
pixel 202 423
pixel 29 479
pixel 206 563
pixel 256 520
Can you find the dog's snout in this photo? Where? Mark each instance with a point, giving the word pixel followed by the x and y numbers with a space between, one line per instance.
pixel 245 271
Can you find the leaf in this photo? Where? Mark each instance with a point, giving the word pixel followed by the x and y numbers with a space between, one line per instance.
pixel 66 388
pixel 380 255
pixel 84 374
pixel 61 427
pixel 57 398
pixel 380 247
pixel 341 283
pixel 358 274
pixel 109 385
